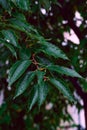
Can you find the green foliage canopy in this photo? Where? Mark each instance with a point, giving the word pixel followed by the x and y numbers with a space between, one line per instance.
pixel 38 63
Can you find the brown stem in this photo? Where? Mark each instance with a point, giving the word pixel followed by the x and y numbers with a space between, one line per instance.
pixel 34 61
pixel 77 87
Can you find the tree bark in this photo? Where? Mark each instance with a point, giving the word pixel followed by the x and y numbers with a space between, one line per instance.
pixel 67 15
pixel 83 96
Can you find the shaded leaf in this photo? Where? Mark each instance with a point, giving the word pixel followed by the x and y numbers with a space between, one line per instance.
pixel 25 53
pixel 44 61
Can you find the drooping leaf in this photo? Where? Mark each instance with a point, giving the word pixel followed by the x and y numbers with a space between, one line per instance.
pixel 44 61
pixel 18 23
pixel 5 4
pixel 43 90
pixel 33 97
pixel 9 46
pixel 21 24
pixel 10 36
pixel 23 83
pixel 46 47
pixel 40 76
pixel 52 50
pixel 19 16
pixel 22 4
pixel 17 70
pixel 64 70
pixel 62 87
pixel 42 87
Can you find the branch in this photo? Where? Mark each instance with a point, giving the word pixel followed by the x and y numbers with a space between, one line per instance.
pixel 66 13
pixel 78 88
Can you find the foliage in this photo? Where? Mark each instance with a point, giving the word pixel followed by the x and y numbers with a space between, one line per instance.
pixel 39 66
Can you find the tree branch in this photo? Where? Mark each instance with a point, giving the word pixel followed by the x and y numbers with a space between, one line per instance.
pixel 66 13
pixel 77 87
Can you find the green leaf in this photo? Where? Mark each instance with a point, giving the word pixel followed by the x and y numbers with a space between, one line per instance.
pixel 5 4
pixel 53 50
pixel 20 16
pixel 62 87
pixel 10 36
pixel 42 87
pixel 40 76
pixel 23 83
pixel 43 61
pixel 23 4
pixel 9 46
pixel 33 97
pixel 23 25
pixel 20 24
pixel 17 70
pixel 43 90
pixel 24 53
pixel 64 70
